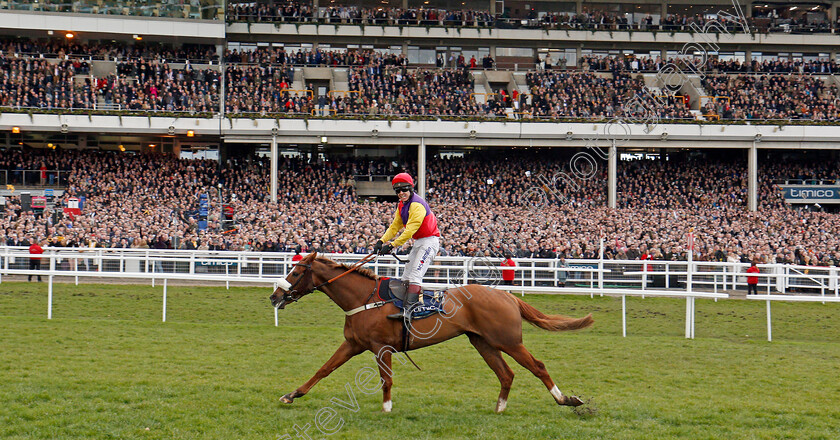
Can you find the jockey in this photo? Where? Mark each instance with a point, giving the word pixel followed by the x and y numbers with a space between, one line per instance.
pixel 420 223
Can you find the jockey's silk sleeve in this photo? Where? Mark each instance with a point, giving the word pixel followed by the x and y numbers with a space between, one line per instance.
pixel 395 227
pixel 416 214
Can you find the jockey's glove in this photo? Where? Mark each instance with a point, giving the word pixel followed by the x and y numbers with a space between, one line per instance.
pixel 377 247
pixel 386 249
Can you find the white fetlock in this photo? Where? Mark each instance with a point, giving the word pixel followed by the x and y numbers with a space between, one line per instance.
pixel 558 396
pixel 386 406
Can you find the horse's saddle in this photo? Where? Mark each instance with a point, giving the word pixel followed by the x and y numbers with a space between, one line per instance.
pixel 431 301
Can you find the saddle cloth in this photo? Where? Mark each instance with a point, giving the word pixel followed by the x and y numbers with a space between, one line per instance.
pixel 431 301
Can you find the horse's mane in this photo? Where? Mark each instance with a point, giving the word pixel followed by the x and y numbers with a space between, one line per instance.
pixel 361 271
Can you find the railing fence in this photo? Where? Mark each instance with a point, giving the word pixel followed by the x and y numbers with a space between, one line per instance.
pixel 680 279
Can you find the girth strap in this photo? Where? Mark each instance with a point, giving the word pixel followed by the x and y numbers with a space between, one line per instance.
pixel 366 307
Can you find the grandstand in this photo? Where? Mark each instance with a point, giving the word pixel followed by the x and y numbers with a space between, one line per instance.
pixel 199 125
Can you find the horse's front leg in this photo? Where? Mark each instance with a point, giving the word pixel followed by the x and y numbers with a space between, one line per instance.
pixel 346 351
pixel 383 360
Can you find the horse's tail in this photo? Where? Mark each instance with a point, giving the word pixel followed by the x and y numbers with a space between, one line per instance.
pixel 554 323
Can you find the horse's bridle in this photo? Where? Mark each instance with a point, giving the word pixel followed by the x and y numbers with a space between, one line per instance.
pixel 288 296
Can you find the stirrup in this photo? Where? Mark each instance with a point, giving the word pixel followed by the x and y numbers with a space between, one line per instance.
pixel 413 292
pixel 405 313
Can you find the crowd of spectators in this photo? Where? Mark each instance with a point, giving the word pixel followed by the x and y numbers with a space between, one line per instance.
pixel 261 81
pixel 588 95
pixel 382 84
pixel 155 86
pixel 291 11
pixel 314 57
pixel 86 51
pixel 55 73
pixel 142 85
pixel 32 82
pixel 769 20
pixel 397 91
pixel 263 89
pixel 610 63
pixel 179 9
pixel 771 97
pixel 152 201
pixel 304 12
pixel 823 66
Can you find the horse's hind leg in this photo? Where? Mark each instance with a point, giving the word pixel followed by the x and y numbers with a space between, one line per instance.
pixel 527 360
pixel 494 359
pixel 342 355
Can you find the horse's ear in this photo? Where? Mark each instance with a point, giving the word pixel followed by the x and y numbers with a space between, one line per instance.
pixel 310 257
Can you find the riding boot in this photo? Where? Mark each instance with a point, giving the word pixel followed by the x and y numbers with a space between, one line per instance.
pixel 412 297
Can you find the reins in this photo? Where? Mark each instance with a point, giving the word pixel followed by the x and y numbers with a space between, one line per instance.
pixel 356 266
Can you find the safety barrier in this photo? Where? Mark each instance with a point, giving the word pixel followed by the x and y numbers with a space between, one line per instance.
pixel 296 91
pixel 343 92
pixel 323 111
pixel 714 99
pixel 678 279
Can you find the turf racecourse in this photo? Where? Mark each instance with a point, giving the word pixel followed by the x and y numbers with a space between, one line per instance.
pixel 106 368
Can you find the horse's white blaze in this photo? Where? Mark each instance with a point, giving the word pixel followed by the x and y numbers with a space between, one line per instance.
pixel 501 405
pixel 386 406
pixel 556 393
pixel 283 284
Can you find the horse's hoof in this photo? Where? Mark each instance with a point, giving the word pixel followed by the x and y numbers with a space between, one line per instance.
pixel 572 401
pixel 287 398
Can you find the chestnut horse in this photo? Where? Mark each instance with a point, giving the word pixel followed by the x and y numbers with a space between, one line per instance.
pixel 492 320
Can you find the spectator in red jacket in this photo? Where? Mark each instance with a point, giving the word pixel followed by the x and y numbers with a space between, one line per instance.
pixel 508 275
pixel 297 256
pixel 752 281
pixel 35 261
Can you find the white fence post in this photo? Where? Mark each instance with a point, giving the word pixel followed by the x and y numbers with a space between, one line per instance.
pixel 276 317
pixel 601 274
pixel 769 325
pixel 465 264
pixel 164 300
pixel 624 316
pixel 49 296
pixel 693 315
pixel 5 259
pixel 687 317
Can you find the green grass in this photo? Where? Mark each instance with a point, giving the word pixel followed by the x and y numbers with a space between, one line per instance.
pixel 106 368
